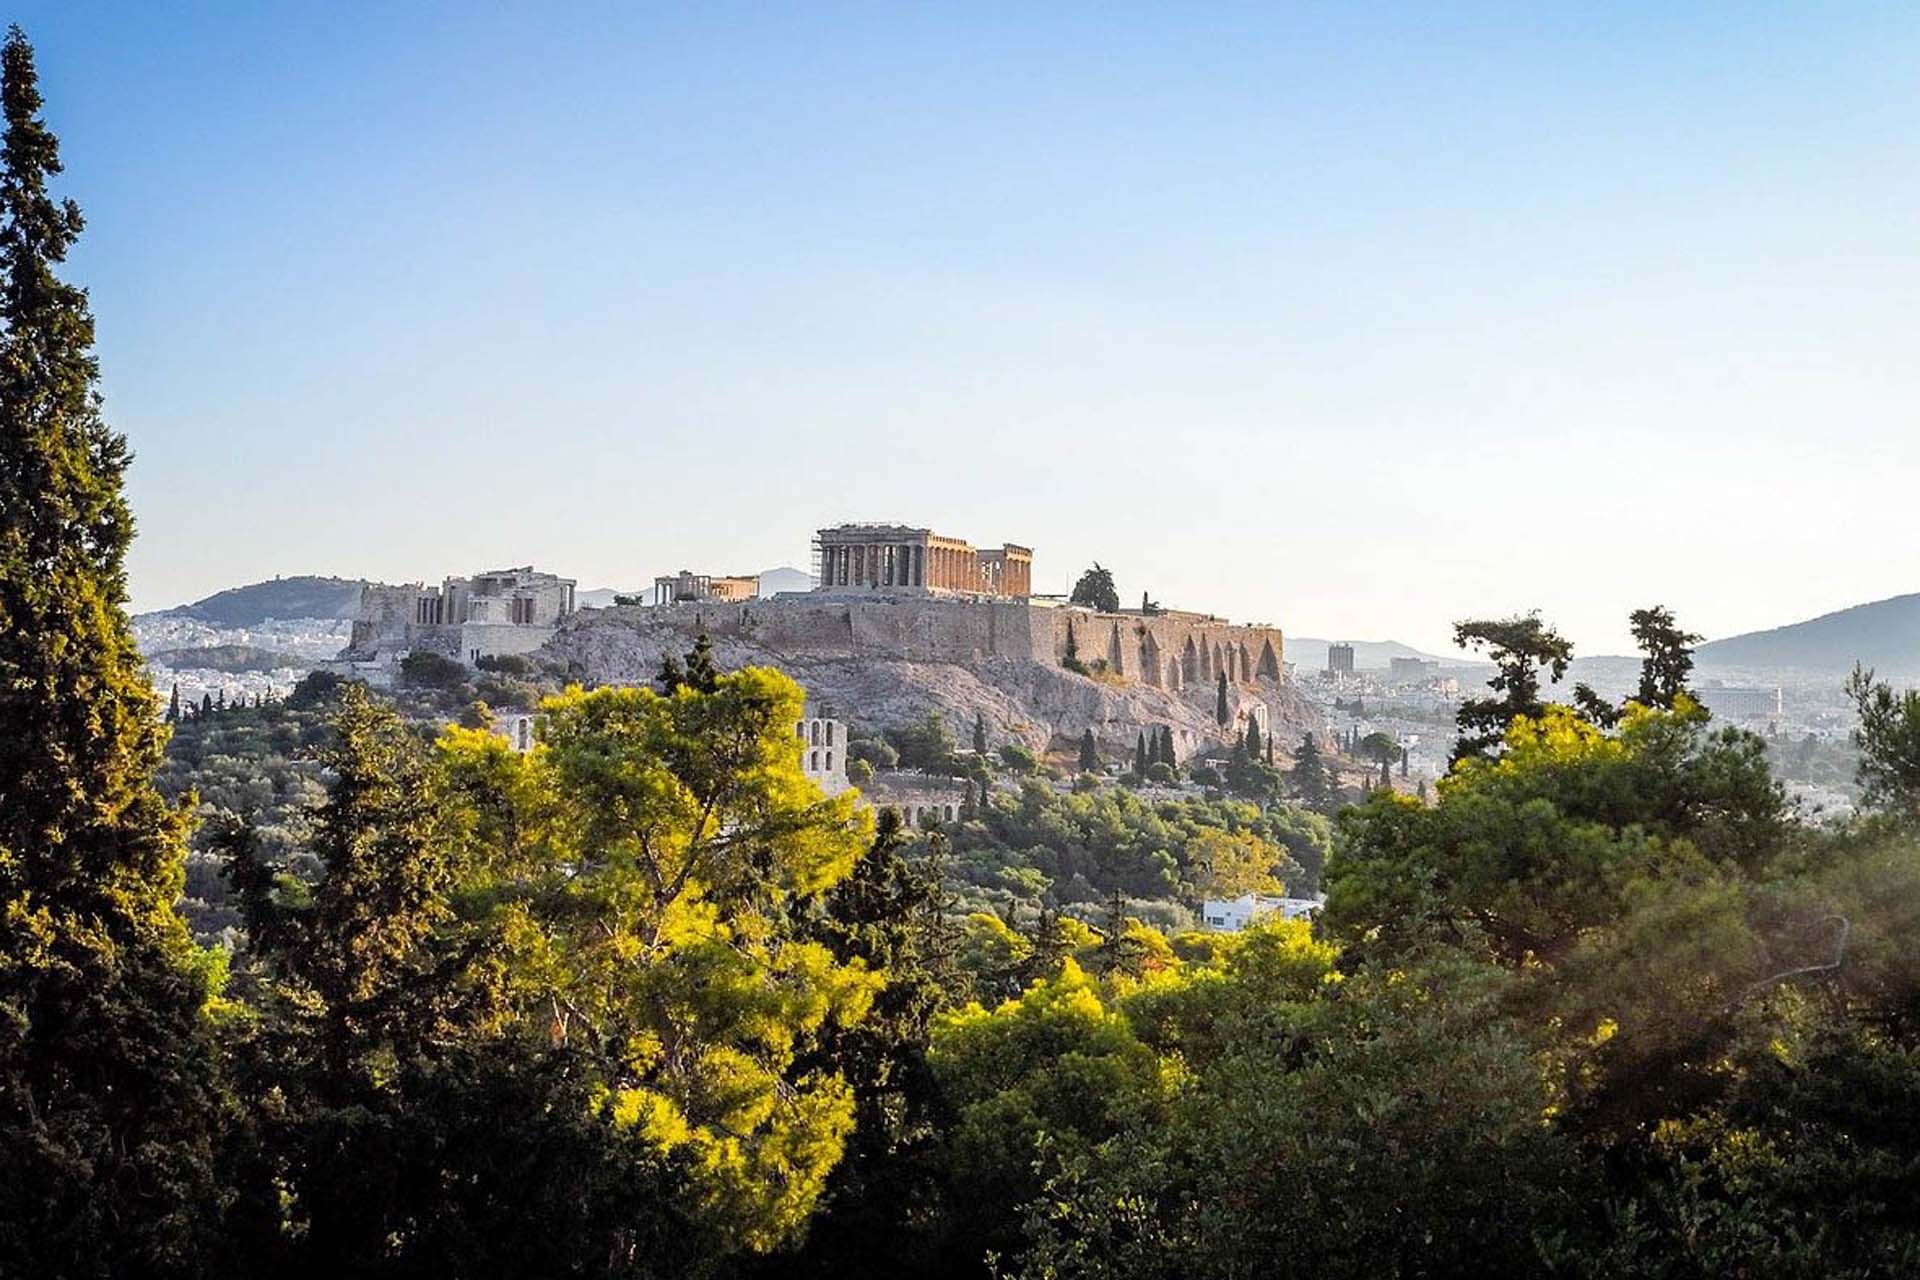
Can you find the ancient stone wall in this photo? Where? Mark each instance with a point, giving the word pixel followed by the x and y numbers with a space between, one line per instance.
pixel 881 662
pixel 1161 651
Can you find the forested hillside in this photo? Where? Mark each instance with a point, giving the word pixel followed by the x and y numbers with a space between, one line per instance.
pixel 282 598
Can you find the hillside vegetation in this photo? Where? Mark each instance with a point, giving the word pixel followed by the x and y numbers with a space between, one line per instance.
pixel 296 597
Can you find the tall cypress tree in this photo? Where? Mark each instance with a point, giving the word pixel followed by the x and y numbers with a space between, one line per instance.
pixel 173 704
pixel 106 1084
pixel 1089 752
pixel 1220 712
pixel 1140 754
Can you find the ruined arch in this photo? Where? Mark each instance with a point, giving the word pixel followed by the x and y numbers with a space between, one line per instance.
pixel 1206 663
pixel 1149 659
pixel 1189 663
pixel 1220 662
pixel 1173 674
pixel 1116 653
pixel 1269 662
pixel 1246 663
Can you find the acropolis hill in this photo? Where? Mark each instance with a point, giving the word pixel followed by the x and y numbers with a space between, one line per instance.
pixel 905 622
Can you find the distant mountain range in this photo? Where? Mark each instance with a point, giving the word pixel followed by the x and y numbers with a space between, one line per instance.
pixel 1884 635
pixel 282 598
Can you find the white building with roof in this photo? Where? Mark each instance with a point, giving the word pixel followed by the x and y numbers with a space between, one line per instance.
pixel 1231 915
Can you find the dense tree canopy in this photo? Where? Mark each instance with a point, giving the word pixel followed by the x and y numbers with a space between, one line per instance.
pixel 642 1001
pixel 1521 648
pixel 106 1082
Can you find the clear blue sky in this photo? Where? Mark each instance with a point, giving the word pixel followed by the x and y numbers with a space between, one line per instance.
pixel 1350 318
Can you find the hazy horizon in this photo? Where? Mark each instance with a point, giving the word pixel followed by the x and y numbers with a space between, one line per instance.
pixel 1351 322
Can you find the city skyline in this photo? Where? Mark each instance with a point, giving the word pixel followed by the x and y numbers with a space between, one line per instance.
pixel 1283 315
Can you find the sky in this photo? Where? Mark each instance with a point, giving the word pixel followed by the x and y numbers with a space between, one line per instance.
pixel 1351 319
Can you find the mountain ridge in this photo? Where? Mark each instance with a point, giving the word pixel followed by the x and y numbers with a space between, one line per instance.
pixel 1884 634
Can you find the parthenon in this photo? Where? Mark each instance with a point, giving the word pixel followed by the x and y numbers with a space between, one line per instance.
pixel 907 561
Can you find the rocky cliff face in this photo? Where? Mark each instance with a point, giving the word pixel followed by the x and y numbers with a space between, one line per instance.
pixel 1036 702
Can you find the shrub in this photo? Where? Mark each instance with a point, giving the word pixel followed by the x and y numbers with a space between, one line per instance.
pixel 875 753
pixel 423 670
pixel 315 690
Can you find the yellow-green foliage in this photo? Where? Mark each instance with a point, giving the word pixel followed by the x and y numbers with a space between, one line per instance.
pixel 1223 864
pixel 649 848
pixel 1548 840
pixel 1043 1081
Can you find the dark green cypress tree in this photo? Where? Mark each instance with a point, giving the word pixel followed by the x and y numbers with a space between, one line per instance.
pixel 107 1086
pixel 670 676
pixel 1049 948
pixel 1140 754
pixel 206 705
pixel 1309 775
pixel 1089 752
pixel 1220 711
pixel 980 732
pixel 888 915
pixel 702 674
pixel 173 704
pixel 1253 738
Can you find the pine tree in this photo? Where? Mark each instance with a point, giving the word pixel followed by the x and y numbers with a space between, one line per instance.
pixel 980 733
pixel 1089 752
pixel 220 703
pixel 106 1077
pixel 1095 590
pixel 670 676
pixel 1220 712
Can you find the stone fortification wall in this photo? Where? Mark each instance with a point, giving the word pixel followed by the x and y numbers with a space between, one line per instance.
pixel 1162 651
pixel 879 662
